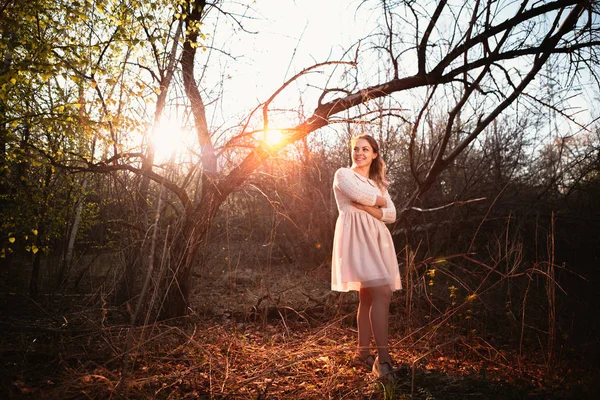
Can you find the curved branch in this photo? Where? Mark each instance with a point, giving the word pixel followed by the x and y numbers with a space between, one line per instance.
pixel 161 180
pixel 421 49
pixel 107 166
pixel 506 25
pixel 292 79
pixel 507 55
pixel 549 43
pixel 320 118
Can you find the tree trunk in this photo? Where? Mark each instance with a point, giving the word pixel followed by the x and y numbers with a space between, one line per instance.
pixel 196 219
pixel 196 223
pixel 66 262
pixel 133 263
pixel 66 265
pixel 209 158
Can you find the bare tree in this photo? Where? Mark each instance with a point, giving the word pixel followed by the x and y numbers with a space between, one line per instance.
pixel 487 54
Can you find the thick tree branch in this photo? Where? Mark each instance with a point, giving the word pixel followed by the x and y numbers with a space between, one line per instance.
pixel 195 10
pixel 506 25
pixel 422 48
pixel 549 43
pixel 105 168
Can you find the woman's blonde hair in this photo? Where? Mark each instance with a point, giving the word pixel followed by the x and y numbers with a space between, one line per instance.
pixel 377 168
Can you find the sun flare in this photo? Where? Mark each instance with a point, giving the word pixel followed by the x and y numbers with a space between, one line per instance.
pixel 273 137
pixel 167 139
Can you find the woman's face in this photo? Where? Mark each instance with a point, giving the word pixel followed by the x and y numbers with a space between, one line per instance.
pixel 362 153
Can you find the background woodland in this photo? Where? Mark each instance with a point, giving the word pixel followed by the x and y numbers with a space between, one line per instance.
pixel 115 254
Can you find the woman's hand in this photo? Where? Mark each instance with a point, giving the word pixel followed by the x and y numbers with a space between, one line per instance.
pixel 374 211
pixel 359 206
pixel 381 202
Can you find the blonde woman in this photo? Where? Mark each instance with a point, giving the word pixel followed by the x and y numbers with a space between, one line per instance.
pixel 364 258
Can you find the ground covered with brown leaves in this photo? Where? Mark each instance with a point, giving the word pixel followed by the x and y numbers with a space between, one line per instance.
pixel 50 351
pixel 263 335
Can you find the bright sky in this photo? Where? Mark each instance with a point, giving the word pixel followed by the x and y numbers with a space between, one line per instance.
pixel 294 34
pixel 291 35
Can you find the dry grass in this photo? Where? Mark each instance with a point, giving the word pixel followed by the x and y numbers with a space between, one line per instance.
pixel 262 335
pixel 282 357
pixel 225 360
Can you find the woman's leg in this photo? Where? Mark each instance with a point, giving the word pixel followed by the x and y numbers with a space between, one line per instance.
pixel 363 321
pixel 380 307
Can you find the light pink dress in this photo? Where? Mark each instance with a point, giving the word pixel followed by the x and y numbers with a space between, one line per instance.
pixel 363 251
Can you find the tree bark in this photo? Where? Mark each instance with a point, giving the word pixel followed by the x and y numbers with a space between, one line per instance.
pixel 208 156
pixel 195 224
pixel 132 263
pixel 196 220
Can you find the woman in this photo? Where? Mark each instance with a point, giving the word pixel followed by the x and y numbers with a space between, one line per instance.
pixel 364 258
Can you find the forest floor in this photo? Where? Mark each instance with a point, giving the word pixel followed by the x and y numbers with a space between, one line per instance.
pixel 242 341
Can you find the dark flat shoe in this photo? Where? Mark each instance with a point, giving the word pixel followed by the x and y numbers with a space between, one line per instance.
pixel 384 370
